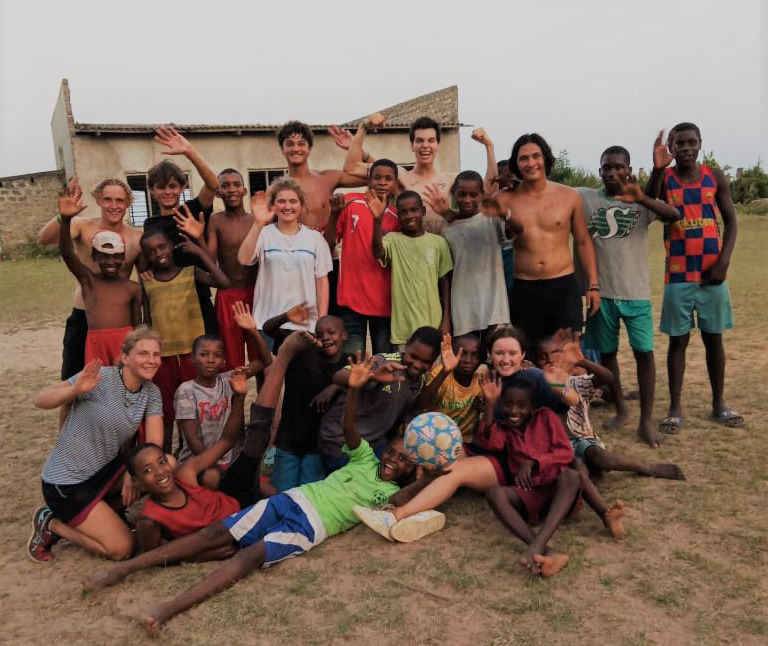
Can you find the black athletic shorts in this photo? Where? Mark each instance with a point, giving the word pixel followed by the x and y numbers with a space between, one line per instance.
pixel 73 353
pixel 541 307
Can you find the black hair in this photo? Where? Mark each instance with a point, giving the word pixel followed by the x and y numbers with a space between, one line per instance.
pixel 615 150
pixel 467 176
pixel 506 332
pixel 291 128
pixel 469 336
pixel 336 319
pixel 384 162
pixel 422 123
pixel 518 381
pixel 428 336
pixel 685 125
pixel 405 195
pixel 533 138
pixel 151 233
pixel 161 174
pixel 130 458
pixel 230 171
pixel 205 337
pixel 504 163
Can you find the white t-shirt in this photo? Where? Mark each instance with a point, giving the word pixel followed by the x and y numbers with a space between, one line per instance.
pixel 288 267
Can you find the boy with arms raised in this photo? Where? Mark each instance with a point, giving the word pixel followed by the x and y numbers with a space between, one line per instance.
pixel 697 260
pixel 226 232
pixel 618 216
pixel 289 523
pixel 112 302
pixel 363 292
pixel 113 197
pixel 420 261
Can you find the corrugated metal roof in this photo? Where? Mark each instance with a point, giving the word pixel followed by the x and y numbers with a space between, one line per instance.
pixel 442 105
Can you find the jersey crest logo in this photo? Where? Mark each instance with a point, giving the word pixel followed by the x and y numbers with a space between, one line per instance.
pixel 613 222
pixel 355 220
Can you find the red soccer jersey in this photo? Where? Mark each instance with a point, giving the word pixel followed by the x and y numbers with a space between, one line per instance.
pixel 364 285
pixel 693 242
pixel 203 507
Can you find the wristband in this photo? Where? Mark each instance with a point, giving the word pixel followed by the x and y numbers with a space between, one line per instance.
pixel 551 385
pixel 366 157
pixel 58 218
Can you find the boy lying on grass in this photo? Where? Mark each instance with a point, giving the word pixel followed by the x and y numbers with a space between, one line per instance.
pixel 289 523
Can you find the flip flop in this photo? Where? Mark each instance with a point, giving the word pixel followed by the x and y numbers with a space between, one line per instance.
pixel 672 425
pixel 728 417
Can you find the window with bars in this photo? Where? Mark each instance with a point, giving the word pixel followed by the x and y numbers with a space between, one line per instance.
pixel 144 205
pixel 259 180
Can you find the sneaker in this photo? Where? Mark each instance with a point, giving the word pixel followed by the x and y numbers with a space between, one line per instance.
pixel 379 520
pixel 417 526
pixel 42 538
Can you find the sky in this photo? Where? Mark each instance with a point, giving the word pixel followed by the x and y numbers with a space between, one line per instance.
pixel 585 74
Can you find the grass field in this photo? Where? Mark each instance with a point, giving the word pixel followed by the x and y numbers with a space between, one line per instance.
pixel 692 569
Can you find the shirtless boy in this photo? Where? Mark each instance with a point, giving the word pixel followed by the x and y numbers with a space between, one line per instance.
pixel 425 143
pixel 112 302
pixel 113 197
pixel 226 232
pixel 545 295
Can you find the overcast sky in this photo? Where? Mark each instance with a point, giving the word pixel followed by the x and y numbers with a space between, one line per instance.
pixel 585 74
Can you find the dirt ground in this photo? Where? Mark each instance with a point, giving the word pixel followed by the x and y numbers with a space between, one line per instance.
pixel 692 569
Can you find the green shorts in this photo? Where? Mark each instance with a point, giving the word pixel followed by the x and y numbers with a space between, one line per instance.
pixel 581 444
pixel 712 304
pixel 603 328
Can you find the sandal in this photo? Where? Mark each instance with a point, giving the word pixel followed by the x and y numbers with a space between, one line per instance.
pixel 728 417
pixel 672 425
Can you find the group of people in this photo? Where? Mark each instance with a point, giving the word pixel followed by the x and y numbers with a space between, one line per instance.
pixel 473 303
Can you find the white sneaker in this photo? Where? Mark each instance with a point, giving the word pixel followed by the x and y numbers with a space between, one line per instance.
pixel 379 520
pixel 417 526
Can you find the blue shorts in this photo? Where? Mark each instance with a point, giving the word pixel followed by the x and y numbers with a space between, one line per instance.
pixel 581 444
pixel 711 303
pixel 603 328
pixel 293 470
pixel 287 523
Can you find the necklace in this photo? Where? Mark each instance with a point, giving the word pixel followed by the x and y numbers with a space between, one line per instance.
pixel 127 400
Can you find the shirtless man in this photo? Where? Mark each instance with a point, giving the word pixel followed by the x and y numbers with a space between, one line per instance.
pixel 425 144
pixel 545 295
pixel 113 197
pixel 226 232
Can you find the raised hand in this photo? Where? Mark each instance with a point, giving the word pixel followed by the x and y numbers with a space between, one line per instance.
pixel 386 373
pixel 447 357
pixel 376 204
pixel 435 199
pixel 299 314
pixel 243 317
pixel 238 381
pixel 298 341
pixel 89 378
pixel 341 137
pixel 338 202
pixel 630 191
pixel 490 383
pixel 174 141
pixel 661 155
pixel 71 200
pixel 376 120
pixel 481 136
pixel 262 212
pixel 193 227
pixel 187 245
pixel 359 371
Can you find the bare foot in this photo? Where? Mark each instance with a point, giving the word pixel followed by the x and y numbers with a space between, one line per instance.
pixel 614 519
pixel 668 471
pixel 151 621
pixel 650 436
pixel 107 577
pixel 551 564
pixel 528 560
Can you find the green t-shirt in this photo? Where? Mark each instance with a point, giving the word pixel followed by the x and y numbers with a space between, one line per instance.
pixel 357 483
pixel 417 264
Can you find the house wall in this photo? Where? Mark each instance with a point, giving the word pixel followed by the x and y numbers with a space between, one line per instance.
pixel 27 202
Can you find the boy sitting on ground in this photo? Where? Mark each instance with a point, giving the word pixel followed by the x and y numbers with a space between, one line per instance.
pixel 112 303
pixel 289 523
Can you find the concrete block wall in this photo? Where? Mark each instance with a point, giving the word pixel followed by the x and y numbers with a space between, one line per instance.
pixel 27 202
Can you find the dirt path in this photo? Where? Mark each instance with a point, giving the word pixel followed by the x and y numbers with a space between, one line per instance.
pixel 31 349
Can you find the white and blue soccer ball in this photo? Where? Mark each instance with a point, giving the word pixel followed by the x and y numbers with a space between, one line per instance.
pixel 432 440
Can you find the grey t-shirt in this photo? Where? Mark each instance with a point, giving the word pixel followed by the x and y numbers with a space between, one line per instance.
pixel 478 289
pixel 210 407
pixel 98 424
pixel 619 231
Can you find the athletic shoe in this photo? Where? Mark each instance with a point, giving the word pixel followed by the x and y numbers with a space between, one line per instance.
pixel 417 526
pixel 379 520
pixel 42 538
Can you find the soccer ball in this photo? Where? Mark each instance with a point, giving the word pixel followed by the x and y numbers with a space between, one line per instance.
pixel 432 440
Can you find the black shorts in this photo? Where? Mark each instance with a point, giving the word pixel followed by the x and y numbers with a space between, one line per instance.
pixel 72 503
pixel 73 353
pixel 542 307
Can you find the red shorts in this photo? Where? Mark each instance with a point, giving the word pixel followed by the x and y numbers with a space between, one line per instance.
pixel 233 335
pixel 173 372
pixel 538 499
pixel 105 344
